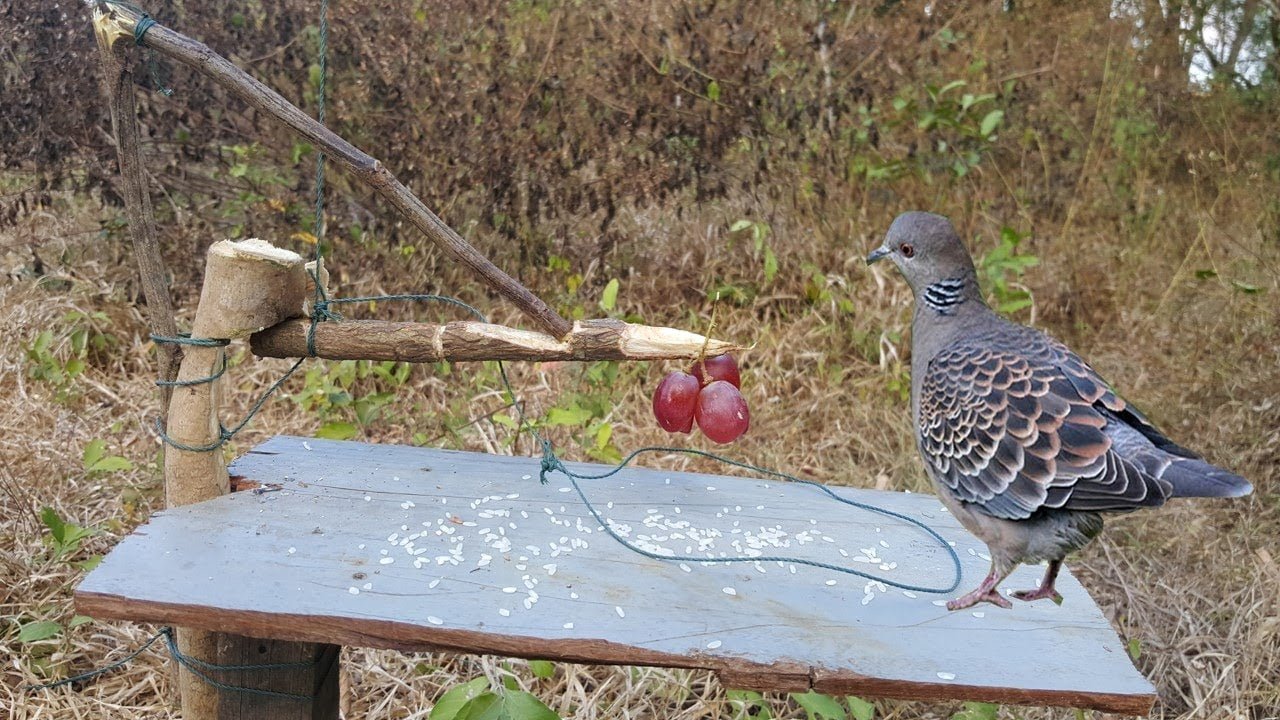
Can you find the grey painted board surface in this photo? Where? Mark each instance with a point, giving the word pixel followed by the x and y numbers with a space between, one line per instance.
pixel 422 548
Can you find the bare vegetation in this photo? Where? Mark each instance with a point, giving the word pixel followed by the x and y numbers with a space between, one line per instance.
pixel 582 144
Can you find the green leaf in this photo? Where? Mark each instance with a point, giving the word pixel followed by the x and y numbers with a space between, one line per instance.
pixel 1015 304
pixel 609 299
pixel 1206 273
pixel 603 435
pixel 571 416
pixel 1135 649
pixel 738 226
pixel 991 122
pixel 78 620
pixel 819 706
pixel 111 463
pixel 337 431
pixel 977 711
pixel 860 709
pixel 37 631
pixel 93 451
pixel 748 705
pixel 486 706
pixel 42 341
pixel 57 529
pixel 713 91
pixel 520 705
pixel 89 563
pixel 447 707
pixel 1245 287
pixel 770 264
pixel 542 669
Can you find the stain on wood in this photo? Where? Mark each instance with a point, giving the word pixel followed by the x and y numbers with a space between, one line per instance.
pixel 418 549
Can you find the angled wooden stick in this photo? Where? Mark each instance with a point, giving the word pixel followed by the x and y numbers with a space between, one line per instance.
pixel 468 340
pixel 118 21
pixel 117 85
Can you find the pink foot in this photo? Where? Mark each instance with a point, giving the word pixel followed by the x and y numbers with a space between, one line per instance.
pixel 1046 586
pixel 982 594
pixel 1039 593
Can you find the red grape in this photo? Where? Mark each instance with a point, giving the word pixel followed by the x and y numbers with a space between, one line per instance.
pixel 722 412
pixel 674 402
pixel 720 367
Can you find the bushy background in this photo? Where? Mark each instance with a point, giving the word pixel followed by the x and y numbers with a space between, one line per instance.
pixel 672 153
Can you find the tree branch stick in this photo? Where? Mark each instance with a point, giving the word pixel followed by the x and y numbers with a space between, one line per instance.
pixel 468 341
pixel 369 170
pixel 117 86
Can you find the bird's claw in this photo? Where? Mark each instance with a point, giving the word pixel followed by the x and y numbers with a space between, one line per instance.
pixel 992 596
pixel 1039 593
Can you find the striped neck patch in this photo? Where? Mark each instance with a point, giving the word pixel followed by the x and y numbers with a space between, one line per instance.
pixel 945 295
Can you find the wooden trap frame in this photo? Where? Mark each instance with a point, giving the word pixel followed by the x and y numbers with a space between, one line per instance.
pixel 418 549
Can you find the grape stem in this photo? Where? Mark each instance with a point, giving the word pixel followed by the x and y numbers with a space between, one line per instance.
pixel 702 352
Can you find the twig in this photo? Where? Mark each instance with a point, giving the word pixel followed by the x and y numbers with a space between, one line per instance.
pixel 117 85
pixel 121 21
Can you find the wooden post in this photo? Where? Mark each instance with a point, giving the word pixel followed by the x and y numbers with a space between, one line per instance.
pixel 248 285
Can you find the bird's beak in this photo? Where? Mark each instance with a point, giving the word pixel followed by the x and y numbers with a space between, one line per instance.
pixel 878 254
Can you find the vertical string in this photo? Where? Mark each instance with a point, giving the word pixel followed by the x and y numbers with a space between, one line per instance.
pixel 320 157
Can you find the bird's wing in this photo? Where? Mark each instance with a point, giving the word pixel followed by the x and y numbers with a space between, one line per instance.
pixel 1016 422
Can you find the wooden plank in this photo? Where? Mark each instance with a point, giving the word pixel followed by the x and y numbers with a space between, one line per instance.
pixel 324 558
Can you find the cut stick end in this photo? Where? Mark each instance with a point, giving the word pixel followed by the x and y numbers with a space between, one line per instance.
pixel 646 342
pixel 112 22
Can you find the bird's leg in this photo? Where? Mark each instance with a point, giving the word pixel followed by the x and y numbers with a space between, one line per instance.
pixel 986 592
pixel 1046 586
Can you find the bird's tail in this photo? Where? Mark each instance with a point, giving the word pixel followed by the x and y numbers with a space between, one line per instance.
pixel 1196 478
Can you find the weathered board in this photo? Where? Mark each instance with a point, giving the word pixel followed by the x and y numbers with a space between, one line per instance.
pixel 418 549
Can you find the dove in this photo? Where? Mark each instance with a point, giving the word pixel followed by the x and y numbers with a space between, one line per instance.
pixel 1024 442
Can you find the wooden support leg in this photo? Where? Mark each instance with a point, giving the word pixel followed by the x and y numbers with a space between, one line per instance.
pixel 247 286
pixel 317 679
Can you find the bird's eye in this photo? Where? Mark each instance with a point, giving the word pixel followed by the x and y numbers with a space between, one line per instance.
pixel 907 250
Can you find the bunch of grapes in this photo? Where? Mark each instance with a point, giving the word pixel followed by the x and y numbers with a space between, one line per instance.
pixel 707 394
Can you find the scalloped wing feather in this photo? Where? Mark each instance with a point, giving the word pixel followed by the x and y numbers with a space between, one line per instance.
pixel 1013 422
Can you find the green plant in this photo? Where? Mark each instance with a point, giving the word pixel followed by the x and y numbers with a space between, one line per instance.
pixel 58 356
pixel 825 707
pixel 64 538
pixel 748 705
pixel 762 252
pixel 977 711
pixel 38 630
pixel 358 390
pixel 257 182
pixel 959 126
pixel 586 411
pixel 480 699
pixel 609 298
pixel 1003 266
pixel 96 460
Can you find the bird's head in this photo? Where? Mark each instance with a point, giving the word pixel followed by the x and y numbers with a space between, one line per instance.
pixel 926 249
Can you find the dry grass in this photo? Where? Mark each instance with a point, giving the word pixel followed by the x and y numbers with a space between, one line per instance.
pixel 1196 583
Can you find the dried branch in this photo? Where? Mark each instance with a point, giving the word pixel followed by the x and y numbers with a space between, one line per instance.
pixel 466 340
pixel 117 85
pixel 120 21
